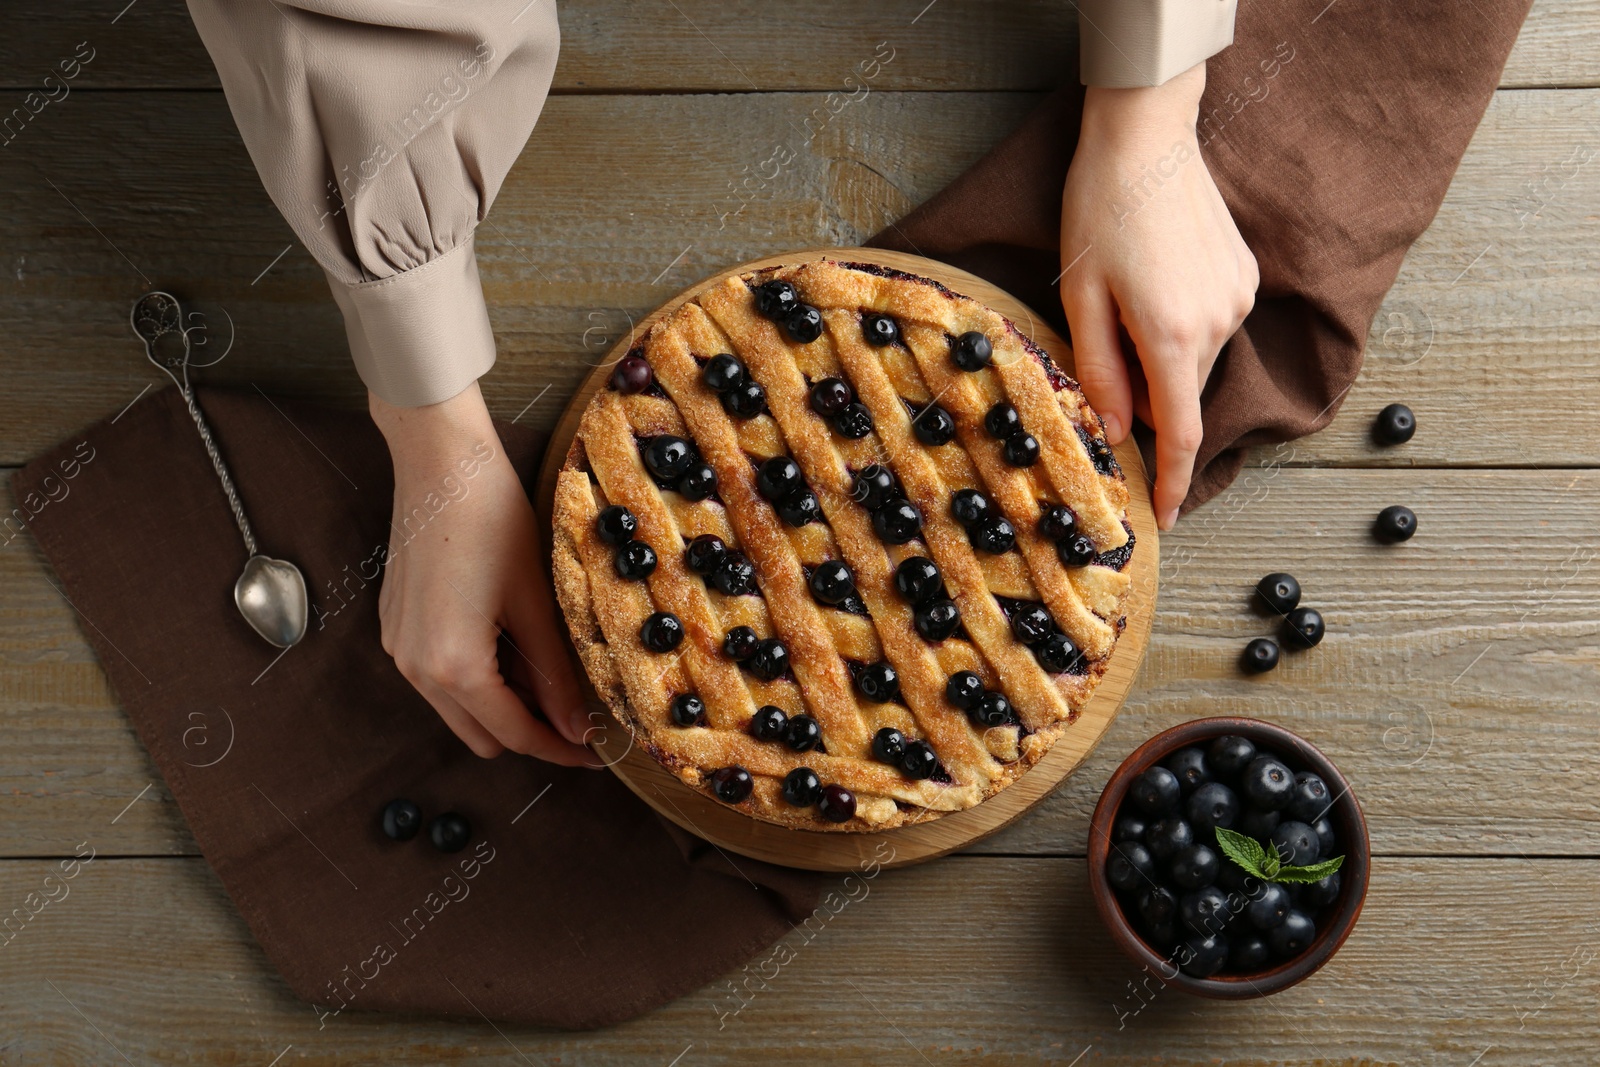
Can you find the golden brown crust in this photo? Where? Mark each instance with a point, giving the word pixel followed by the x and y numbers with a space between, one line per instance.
pixel 604 613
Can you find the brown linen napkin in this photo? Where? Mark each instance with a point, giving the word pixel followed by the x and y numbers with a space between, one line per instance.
pixel 1332 130
pixel 574 906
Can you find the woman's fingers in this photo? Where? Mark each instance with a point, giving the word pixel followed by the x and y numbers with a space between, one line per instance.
pixel 489 700
pixel 461 723
pixel 1175 417
pixel 1097 355
pixel 532 622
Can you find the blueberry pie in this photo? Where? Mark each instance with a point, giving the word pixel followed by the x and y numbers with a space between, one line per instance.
pixel 841 547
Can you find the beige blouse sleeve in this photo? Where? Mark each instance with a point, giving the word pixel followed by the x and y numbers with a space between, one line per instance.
pixel 383 131
pixel 1129 43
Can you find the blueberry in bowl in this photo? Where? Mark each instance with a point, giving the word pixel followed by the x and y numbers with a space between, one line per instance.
pixel 1230 855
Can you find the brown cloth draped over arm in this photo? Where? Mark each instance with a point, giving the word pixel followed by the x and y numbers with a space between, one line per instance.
pixel 575 906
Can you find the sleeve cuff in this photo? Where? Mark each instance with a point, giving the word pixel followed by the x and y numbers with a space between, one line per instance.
pixel 1125 44
pixel 421 336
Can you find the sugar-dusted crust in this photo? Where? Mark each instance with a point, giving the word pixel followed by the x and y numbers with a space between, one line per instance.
pixel 604 612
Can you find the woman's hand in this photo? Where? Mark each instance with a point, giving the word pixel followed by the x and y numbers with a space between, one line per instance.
pixel 463 565
pixel 1149 248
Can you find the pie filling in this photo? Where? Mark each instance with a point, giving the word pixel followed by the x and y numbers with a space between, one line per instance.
pixel 841 547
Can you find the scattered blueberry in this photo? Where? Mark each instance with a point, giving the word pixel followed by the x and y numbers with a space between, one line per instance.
pixel 732 784
pixel 829 397
pixel 722 373
pixel 1395 425
pixel 1395 524
pixel 802 787
pixel 615 525
pixel 450 832
pixel 918 579
pixel 879 330
pixel 705 554
pixel 972 351
pixel 1260 655
pixel 802 733
pixel 401 820
pixel 1305 627
pixel 768 723
pixel 635 561
pixel 631 375
pixel 687 709
pixel 838 804
pixel 740 644
pixel 1279 591
pixel 771 659
pixel 897 522
pixel 661 632
pixel 878 682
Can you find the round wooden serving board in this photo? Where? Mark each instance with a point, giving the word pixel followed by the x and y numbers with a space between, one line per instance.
pixel 729 829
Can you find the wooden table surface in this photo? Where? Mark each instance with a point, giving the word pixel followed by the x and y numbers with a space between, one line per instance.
pixel 1457 690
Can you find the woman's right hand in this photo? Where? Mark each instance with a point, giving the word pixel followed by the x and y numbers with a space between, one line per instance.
pixel 463 566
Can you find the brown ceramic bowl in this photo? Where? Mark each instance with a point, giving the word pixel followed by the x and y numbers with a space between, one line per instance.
pixel 1334 922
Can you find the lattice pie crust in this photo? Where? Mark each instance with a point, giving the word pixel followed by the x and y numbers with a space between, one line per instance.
pixel 828 645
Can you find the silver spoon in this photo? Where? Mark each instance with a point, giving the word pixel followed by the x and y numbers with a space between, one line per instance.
pixel 270 593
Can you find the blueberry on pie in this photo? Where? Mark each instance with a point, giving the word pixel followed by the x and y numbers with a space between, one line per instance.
pixel 841 547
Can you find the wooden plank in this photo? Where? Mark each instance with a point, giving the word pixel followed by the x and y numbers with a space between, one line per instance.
pixel 1446 673
pixel 718 46
pixel 981 960
pixel 589 235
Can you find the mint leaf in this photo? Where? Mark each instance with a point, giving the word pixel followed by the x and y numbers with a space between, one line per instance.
pixel 1316 872
pixel 1244 850
pixel 1272 865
